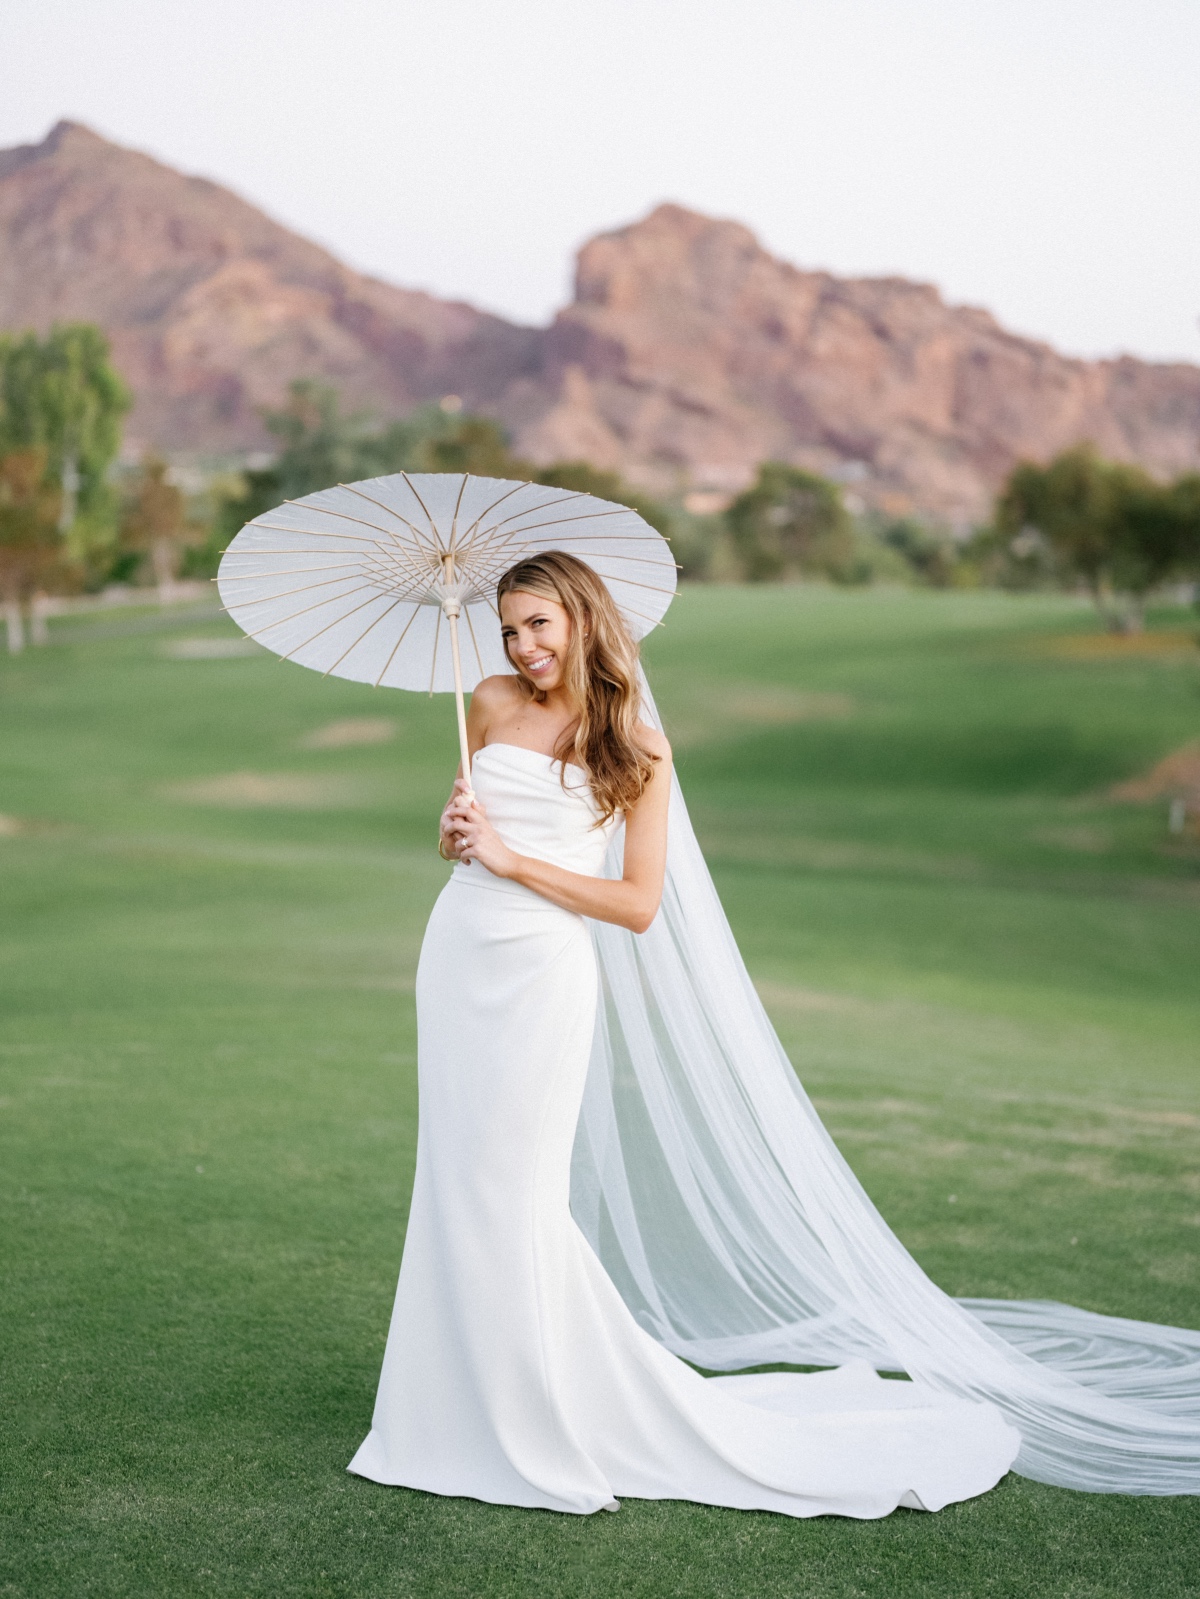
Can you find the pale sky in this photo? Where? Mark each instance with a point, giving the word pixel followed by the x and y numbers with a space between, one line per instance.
pixel 1037 157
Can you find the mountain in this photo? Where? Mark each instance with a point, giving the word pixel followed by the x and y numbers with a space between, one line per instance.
pixel 687 355
pixel 689 351
pixel 212 308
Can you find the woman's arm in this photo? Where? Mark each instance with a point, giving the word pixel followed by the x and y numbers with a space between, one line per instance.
pixel 630 902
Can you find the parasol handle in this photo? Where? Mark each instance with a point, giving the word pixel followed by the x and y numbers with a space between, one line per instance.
pixel 451 607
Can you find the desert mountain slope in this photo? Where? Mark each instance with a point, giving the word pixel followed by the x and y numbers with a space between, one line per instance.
pixel 212 308
pixel 688 355
pixel 689 350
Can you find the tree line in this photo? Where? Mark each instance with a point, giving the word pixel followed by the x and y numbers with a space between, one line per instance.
pixel 1080 521
pixel 71 519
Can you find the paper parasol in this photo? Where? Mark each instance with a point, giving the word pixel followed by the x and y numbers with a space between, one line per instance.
pixel 356 581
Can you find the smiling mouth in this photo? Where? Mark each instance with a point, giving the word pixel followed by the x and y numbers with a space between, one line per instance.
pixel 542 664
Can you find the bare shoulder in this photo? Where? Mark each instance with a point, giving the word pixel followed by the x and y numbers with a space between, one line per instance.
pixel 499 692
pixel 653 742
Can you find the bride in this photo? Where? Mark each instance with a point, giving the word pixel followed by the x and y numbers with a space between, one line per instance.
pixel 616 1168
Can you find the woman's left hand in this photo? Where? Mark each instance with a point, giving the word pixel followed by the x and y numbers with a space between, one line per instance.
pixel 480 840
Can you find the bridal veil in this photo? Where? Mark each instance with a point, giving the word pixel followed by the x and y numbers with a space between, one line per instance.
pixel 738 1235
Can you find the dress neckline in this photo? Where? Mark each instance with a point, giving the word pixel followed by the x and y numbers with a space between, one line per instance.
pixel 575 784
pixel 499 744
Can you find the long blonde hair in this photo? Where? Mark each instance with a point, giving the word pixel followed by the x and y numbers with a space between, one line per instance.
pixel 601 673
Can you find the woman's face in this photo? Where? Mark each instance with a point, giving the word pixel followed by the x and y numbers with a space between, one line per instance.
pixel 536 634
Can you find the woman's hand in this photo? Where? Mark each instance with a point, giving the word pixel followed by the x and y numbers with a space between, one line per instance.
pixel 475 839
pixel 450 838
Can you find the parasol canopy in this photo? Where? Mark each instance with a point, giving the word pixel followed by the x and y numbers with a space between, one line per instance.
pixel 371 580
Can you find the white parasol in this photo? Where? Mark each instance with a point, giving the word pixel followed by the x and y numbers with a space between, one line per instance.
pixel 355 581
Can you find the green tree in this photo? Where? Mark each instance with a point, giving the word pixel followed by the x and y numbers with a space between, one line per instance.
pixel 154 522
pixel 1106 524
pixel 585 479
pixel 476 445
pixel 1185 501
pixel 31 544
pixel 62 395
pixel 1069 505
pixel 320 447
pixel 792 522
pixel 1156 533
pixel 931 556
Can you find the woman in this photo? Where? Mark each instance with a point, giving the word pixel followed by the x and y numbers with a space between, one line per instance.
pixel 514 1371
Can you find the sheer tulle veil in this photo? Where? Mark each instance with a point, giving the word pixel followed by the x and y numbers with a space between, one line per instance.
pixel 738 1235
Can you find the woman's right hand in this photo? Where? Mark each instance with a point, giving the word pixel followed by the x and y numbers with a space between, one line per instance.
pixel 451 838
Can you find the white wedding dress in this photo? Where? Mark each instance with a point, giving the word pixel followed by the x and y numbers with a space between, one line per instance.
pixel 514 1371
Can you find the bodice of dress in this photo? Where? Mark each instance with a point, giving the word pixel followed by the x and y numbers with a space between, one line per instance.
pixel 533 811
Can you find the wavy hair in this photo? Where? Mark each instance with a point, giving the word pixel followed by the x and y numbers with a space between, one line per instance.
pixel 601 673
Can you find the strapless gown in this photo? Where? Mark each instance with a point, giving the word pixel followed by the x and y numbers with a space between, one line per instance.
pixel 514 1373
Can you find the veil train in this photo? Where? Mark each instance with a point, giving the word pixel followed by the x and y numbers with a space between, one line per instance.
pixel 738 1235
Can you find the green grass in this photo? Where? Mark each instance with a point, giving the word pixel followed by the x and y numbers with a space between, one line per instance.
pixel 985 970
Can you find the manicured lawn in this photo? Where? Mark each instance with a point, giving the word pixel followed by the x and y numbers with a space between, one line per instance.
pixel 986 971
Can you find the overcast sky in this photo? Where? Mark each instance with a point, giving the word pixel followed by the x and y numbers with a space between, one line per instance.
pixel 1038 157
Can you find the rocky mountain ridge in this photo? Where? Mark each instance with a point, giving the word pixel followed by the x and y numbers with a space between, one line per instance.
pixel 688 354
pixel 212 308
